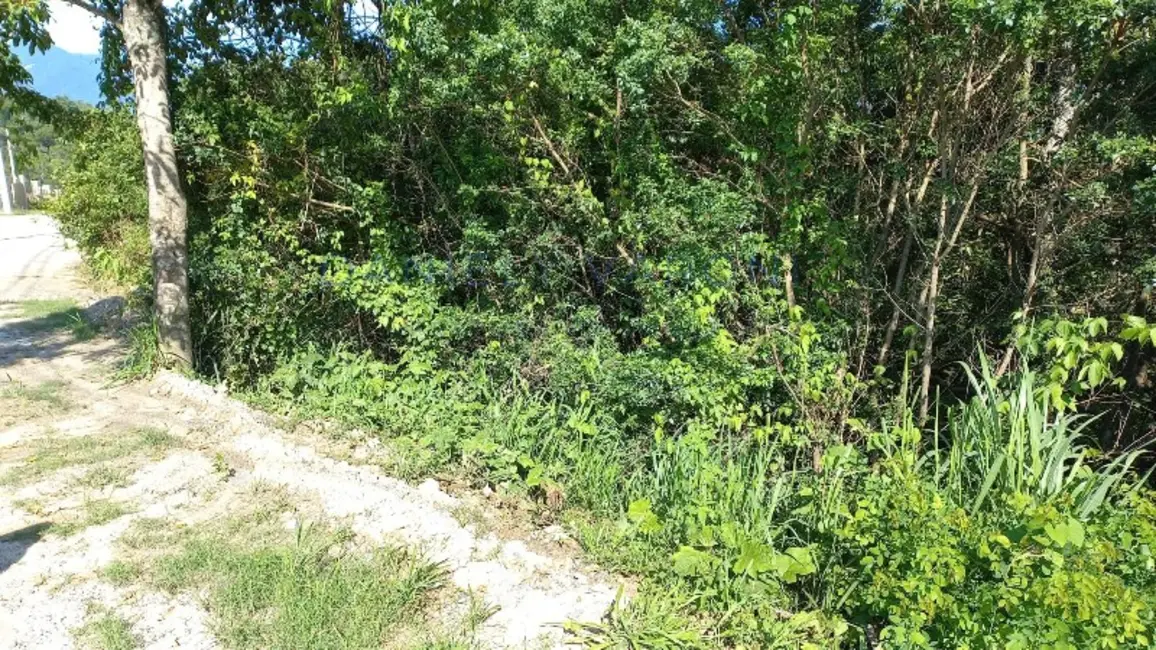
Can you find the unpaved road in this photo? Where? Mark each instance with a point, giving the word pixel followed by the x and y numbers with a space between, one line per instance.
pixel 86 464
pixel 34 260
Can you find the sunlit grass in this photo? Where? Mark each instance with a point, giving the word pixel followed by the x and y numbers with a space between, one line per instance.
pixel 104 630
pixel 51 455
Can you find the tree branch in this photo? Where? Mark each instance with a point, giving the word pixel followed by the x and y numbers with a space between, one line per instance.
pixel 96 11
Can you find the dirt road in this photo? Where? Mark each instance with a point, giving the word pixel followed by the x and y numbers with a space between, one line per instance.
pixel 34 260
pixel 145 514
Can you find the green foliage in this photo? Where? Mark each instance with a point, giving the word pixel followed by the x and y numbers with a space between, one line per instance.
pixel 636 261
pixel 1008 440
pixel 103 205
pixel 1083 357
pixel 1013 575
pixel 143 356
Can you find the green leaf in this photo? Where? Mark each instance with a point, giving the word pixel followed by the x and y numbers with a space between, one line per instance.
pixel 689 562
pixel 754 558
pixel 643 517
pixel 1095 373
pixel 1069 532
pixel 799 563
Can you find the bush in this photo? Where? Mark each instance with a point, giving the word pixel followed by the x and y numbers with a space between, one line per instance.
pixel 103 205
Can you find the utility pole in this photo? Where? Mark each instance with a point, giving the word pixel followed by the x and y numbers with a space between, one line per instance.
pixel 6 195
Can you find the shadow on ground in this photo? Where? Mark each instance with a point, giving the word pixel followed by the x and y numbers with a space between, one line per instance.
pixel 60 332
pixel 15 544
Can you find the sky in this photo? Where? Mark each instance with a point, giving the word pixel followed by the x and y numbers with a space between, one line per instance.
pixel 73 29
pixel 71 67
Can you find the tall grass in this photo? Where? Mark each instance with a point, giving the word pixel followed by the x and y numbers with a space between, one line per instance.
pixel 1006 439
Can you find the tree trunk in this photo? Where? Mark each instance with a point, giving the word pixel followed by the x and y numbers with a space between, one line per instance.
pixel 145 41
pixel 944 243
pixel 896 291
pixel 1066 108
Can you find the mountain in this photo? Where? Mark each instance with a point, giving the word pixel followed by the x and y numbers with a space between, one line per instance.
pixel 58 73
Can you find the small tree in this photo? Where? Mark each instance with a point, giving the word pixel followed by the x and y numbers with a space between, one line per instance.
pixel 141 25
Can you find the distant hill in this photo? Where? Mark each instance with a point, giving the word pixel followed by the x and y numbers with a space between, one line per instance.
pixel 58 73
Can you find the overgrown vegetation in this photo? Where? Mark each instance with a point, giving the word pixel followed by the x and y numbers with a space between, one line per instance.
pixel 104 206
pixel 698 278
pixel 93 513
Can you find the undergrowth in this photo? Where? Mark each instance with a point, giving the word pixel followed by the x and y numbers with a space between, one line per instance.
pixel 761 538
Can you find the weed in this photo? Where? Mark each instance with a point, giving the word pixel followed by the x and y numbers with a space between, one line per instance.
pixel 31 506
pixel 150 532
pixel 222 467
pixel 104 630
pixel 104 476
pixel 308 593
pixel 462 634
pixel 649 621
pixel 24 402
pixel 155 438
pixel 95 513
pixel 144 355
pixel 82 329
pixel 121 573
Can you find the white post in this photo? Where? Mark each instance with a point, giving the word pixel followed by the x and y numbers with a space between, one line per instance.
pixel 12 176
pixel 5 189
pixel 20 193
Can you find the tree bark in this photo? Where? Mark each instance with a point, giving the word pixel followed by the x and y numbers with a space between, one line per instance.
pixel 168 210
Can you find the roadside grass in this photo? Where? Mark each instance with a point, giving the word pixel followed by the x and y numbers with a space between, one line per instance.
pixel 143 357
pixel 104 476
pixel 48 315
pixel 311 588
pixel 19 402
pixel 31 506
pixel 48 456
pixel 652 619
pixel 121 573
pixel 95 513
pixel 104 630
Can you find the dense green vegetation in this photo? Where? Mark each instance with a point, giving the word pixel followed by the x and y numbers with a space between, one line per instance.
pixel 104 195
pixel 40 151
pixel 833 321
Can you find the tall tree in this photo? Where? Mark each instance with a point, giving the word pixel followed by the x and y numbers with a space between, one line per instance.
pixel 140 24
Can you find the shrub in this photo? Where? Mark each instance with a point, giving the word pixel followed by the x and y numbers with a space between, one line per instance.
pixel 103 205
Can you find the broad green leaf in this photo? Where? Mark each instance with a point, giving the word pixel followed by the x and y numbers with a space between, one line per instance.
pixel 690 562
